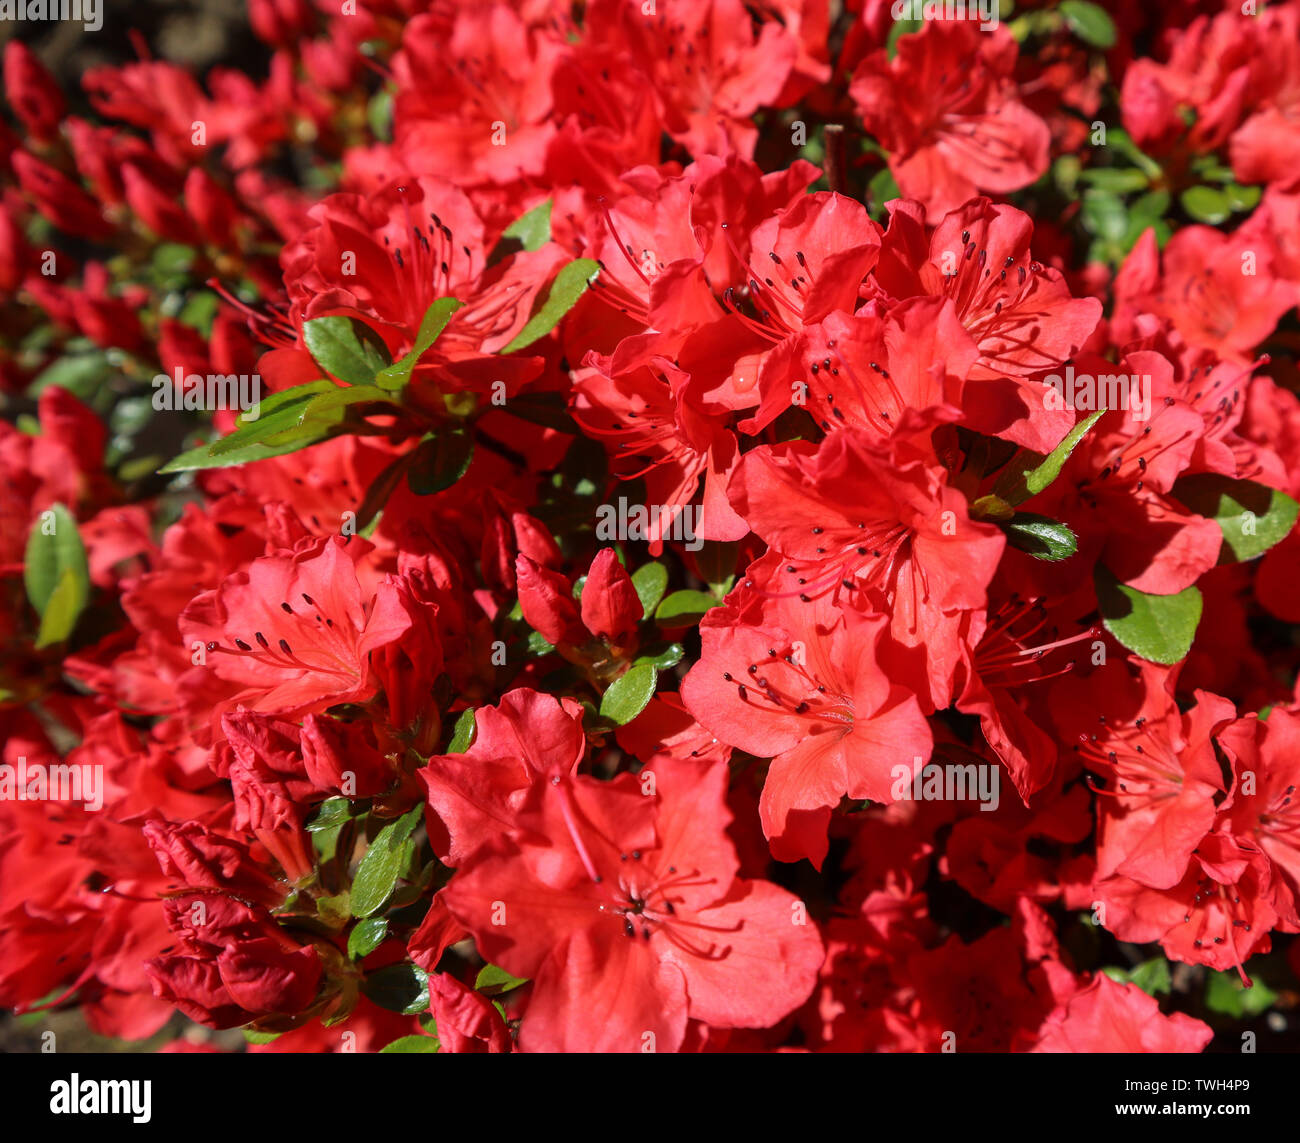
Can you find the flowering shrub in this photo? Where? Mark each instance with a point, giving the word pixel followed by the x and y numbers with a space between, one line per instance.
pixel 651 526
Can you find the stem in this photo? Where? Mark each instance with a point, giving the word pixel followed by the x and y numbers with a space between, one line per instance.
pixel 836 168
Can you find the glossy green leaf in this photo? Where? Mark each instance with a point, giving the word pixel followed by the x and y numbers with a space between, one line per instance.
pixel 345 348
pixel 1028 473
pixel 66 603
pixel 628 694
pixel 333 813
pixel 684 608
pixel 439 461
pixel 662 655
pixel 1160 628
pixel 650 581
pixel 409 1044
pixel 495 981
pixel 273 414
pixel 202 457
pixel 1252 517
pixel 1040 536
pixel 366 936
pixel 1205 204
pixel 432 324
pixel 55 564
pixel 398 988
pixel 532 230
pixel 383 863
pixel 1090 22
pixel 462 735
pixel 569 285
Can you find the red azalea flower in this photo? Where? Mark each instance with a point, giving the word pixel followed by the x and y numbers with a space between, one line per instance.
pixel 1111 1017
pixel 804 685
pixel 947 111
pixel 1019 312
pixel 1263 806
pixel 882 531
pixel 294 633
pixel 1156 768
pixel 624 910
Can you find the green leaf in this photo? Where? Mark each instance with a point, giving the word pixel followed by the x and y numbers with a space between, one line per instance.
pixel 367 936
pixel 66 604
pixel 400 988
pixel 462 736
pixel 383 863
pixel 650 581
pixel 569 285
pixel 1160 628
pixel 1118 180
pixel 684 608
pixel 1090 22
pixel 411 1044
pixel 1252 517
pixel 201 457
pixel 1146 210
pixel 334 909
pixel 1103 214
pixel 1205 204
pixel 494 981
pixel 55 564
pixel 432 324
pixel 1242 198
pixel 1152 976
pixel 80 374
pixel 1224 994
pixel 343 353
pixel 272 415
pixel 1028 474
pixel 538 645
pixel 1040 536
pixel 1122 141
pixel 439 461
pixel 253 1037
pixel 326 406
pixel 333 813
pixel 628 694
pixel 379 115
pixel 533 229
pixel 663 656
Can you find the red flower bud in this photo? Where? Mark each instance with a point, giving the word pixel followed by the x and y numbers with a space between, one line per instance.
pixel 32 92
pixel 611 607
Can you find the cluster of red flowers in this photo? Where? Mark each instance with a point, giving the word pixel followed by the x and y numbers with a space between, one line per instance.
pixel 759 525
